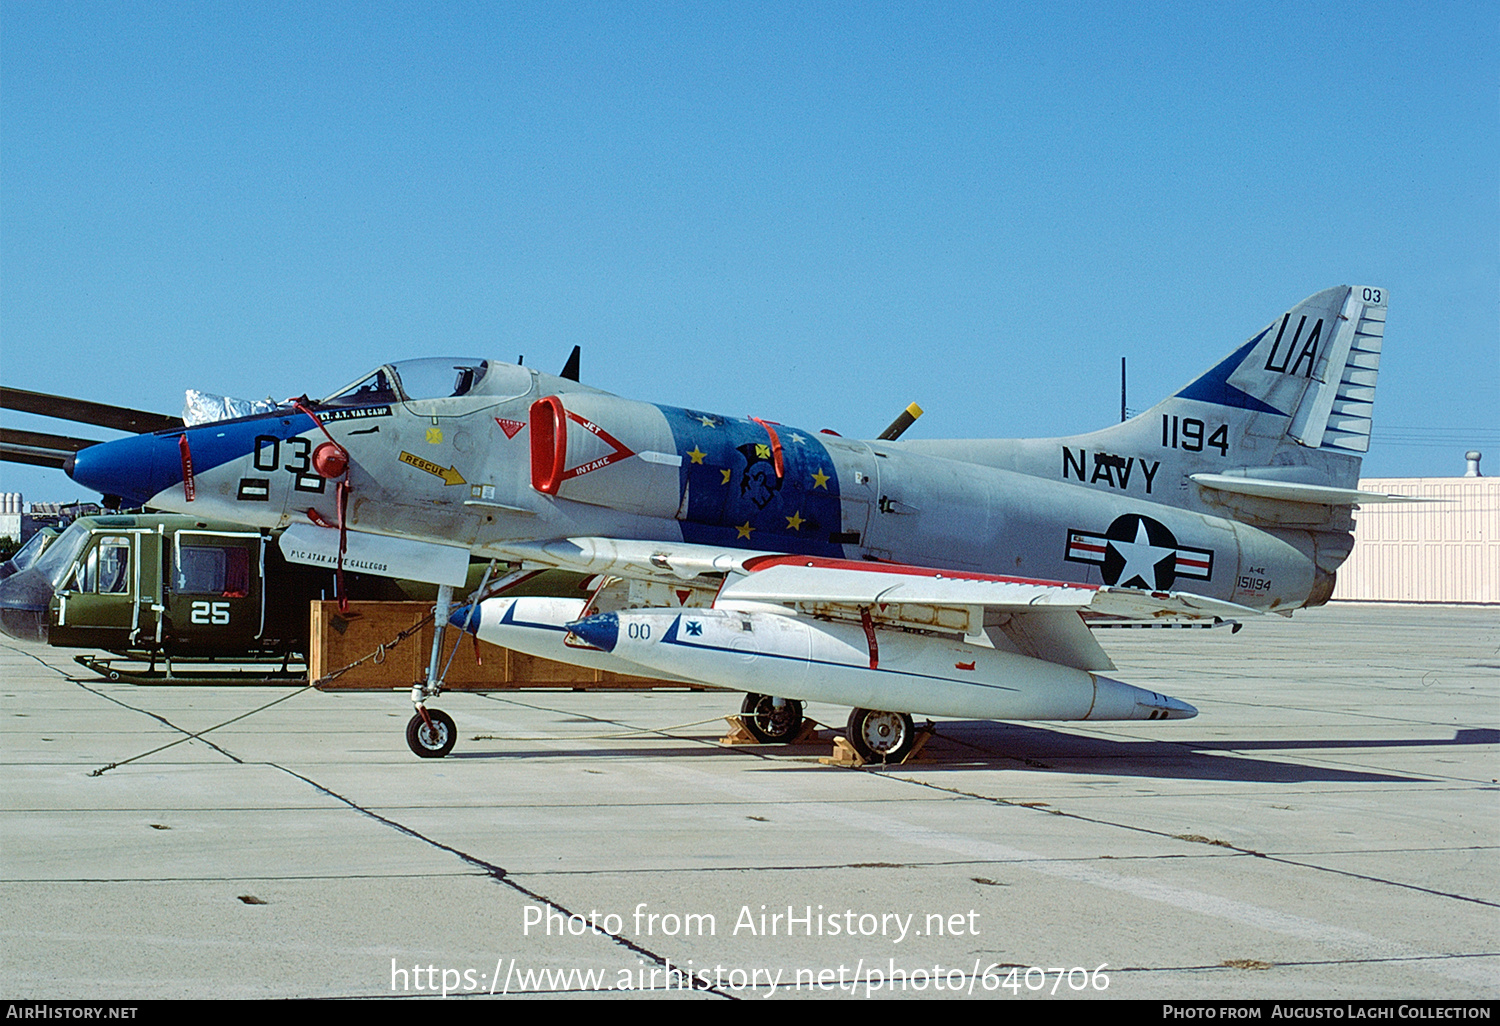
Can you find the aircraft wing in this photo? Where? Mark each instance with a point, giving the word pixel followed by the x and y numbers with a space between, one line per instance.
pixel 1040 618
pixel 804 582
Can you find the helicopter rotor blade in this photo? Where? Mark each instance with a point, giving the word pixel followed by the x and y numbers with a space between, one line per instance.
pixel 120 418
pixel 40 449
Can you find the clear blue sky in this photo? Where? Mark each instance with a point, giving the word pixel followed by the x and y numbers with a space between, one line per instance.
pixel 813 213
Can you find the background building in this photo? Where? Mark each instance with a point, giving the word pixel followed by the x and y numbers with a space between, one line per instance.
pixel 10 515
pixel 1426 551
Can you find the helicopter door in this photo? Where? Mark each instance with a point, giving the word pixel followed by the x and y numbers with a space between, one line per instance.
pixel 215 600
pixel 96 605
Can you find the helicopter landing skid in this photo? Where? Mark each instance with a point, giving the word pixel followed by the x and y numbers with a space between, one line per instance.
pixel 129 671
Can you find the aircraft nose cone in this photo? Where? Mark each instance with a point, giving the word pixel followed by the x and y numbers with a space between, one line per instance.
pixel 603 631
pixel 133 468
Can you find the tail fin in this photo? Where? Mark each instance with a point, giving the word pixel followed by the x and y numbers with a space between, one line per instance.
pixel 1293 404
pixel 1309 377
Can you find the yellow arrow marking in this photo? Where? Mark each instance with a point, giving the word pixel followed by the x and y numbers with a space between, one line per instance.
pixel 450 475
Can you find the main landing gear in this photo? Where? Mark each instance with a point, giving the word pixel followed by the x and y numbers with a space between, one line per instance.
pixel 771 721
pixel 881 736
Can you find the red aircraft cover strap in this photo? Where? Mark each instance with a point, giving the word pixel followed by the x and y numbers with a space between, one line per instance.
pixel 189 487
pixel 341 501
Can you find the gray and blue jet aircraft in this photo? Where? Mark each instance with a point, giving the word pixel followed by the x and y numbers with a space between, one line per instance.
pixel 950 578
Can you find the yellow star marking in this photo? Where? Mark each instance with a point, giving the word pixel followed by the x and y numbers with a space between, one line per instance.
pixel 708 422
pixel 820 480
pixel 726 477
pixel 763 451
pixel 745 529
pixel 795 521
pixel 696 455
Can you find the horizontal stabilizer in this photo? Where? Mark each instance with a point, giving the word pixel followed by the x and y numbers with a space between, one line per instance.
pixel 1293 491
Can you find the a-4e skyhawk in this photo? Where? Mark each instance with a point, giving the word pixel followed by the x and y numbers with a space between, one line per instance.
pixel 951 578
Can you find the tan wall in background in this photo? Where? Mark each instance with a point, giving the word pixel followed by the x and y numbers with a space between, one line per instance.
pixel 1426 551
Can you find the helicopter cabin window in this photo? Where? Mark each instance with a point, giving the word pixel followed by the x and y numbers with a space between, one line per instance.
pixel 32 550
pixel 106 570
pixel 57 563
pixel 212 570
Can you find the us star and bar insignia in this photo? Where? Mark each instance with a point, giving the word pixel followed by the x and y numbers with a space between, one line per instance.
pixel 1139 552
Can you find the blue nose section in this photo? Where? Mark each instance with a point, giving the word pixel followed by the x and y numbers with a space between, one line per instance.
pixel 134 468
pixel 602 631
pixel 466 618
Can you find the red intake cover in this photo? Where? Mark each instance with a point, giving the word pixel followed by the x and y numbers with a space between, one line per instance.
pixel 549 444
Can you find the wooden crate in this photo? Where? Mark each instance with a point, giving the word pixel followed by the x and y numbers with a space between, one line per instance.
pixel 338 639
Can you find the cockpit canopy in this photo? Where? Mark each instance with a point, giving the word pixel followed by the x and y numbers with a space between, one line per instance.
pixel 429 378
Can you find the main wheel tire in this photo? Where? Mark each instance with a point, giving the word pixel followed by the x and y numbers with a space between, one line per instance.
pixel 881 736
pixel 771 725
pixel 435 741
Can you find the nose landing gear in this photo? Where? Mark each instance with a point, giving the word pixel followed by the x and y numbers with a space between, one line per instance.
pixel 431 736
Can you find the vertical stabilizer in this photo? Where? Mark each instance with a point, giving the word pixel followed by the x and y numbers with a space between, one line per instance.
pixel 1335 411
pixel 1308 378
pixel 1293 402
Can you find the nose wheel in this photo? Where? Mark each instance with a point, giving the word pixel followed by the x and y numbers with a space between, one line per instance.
pixel 881 736
pixel 431 737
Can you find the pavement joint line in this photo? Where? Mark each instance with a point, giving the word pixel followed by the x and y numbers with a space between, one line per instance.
pixel 496 873
pixel 1305 963
pixel 878 770
pixel 263 878
pixel 199 734
pixel 1052 810
pixel 501 697
pixel 1323 796
pixel 1362 945
pixel 1193 749
pixel 710 870
pixel 126 705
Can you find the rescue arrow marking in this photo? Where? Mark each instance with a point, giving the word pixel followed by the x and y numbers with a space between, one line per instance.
pixel 450 475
